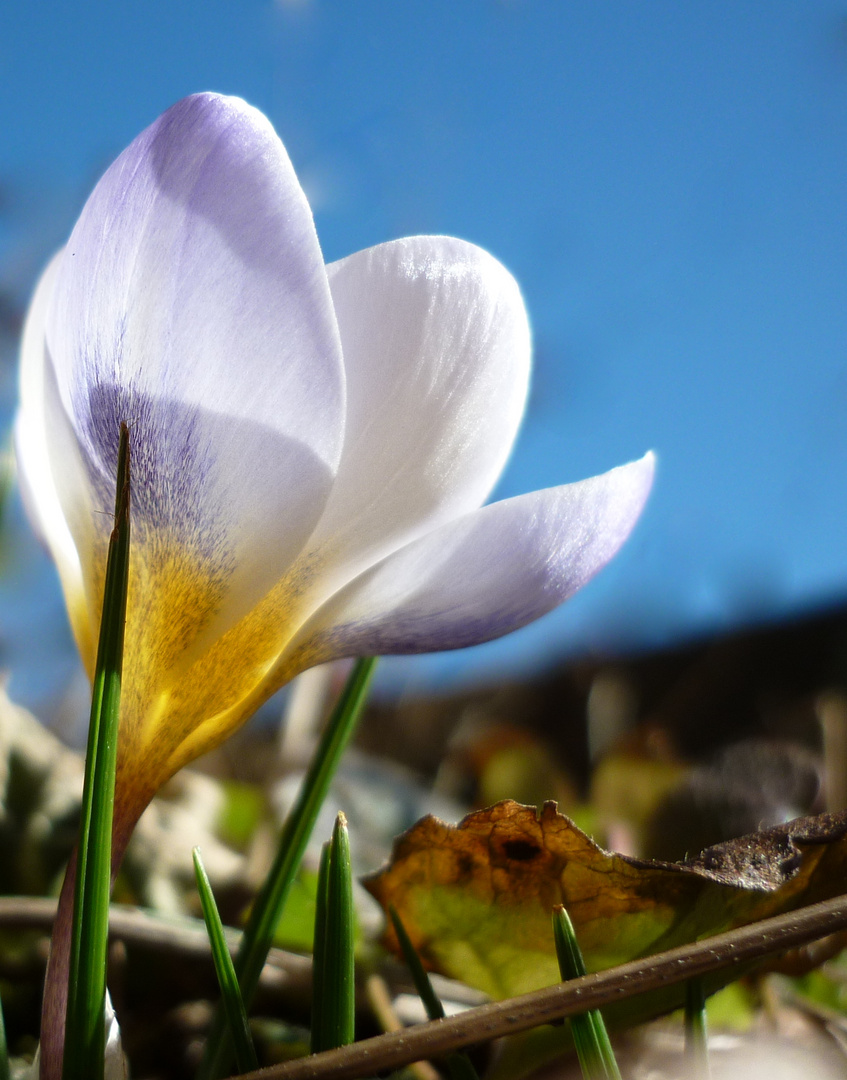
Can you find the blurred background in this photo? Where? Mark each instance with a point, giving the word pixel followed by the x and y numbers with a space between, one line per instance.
pixel 667 183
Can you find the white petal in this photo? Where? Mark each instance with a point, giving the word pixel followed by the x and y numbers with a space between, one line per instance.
pixel 484 575
pixel 38 442
pixel 193 303
pixel 436 354
pixel 114 1062
pixel 36 479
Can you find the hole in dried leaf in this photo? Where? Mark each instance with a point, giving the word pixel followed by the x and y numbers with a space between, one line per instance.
pixel 520 850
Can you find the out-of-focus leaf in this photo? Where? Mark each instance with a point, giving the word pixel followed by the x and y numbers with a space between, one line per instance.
pixel 242 810
pixel 476 898
pixel 733 1008
pixel 490 758
pixel 626 788
pixel 296 929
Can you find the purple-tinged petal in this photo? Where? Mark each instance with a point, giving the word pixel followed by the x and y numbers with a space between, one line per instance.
pixel 436 354
pixel 192 302
pixel 483 575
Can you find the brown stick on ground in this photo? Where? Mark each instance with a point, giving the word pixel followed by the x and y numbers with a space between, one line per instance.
pixel 436 1039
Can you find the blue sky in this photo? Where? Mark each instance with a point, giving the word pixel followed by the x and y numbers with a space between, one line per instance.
pixel 667 181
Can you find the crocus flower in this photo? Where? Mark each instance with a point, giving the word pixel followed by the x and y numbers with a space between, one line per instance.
pixel 311 447
pixel 311 444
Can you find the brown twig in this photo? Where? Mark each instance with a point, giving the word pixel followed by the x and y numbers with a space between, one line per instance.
pixel 382 1006
pixel 440 1037
pixel 183 936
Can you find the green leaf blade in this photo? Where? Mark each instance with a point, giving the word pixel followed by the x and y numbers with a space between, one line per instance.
pixel 335 1011
pixel 245 1053
pixel 267 910
pixel 590 1037
pixel 318 1037
pixel 423 985
pixel 696 1036
pixel 85 1028
pixel 459 1065
pixel 4 1048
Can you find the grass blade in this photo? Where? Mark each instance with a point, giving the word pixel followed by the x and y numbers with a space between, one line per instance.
pixel 594 1050
pixel 319 949
pixel 423 986
pixel 267 909
pixel 4 1048
pixel 84 1032
pixel 696 1041
pixel 334 1011
pixel 459 1065
pixel 245 1053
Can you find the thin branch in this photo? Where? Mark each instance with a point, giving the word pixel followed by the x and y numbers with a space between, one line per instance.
pixel 379 998
pixel 186 937
pixel 179 936
pixel 440 1037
